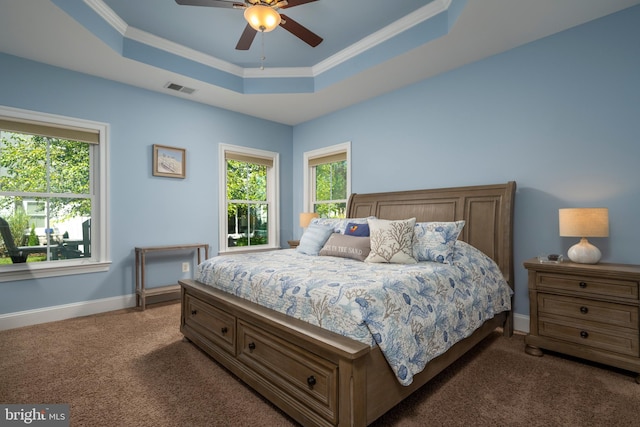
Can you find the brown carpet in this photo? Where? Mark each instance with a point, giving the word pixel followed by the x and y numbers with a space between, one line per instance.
pixel 131 368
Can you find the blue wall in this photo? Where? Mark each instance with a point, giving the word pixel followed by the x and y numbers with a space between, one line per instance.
pixel 559 116
pixel 144 210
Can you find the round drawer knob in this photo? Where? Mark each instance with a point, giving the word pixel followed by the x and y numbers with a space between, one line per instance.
pixel 583 285
pixel 224 330
pixel 252 346
pixel 584 334
pixel 584 310
pixel 311 381
pixel 194 312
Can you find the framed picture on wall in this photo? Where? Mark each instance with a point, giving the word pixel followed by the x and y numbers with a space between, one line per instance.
pixel 169 161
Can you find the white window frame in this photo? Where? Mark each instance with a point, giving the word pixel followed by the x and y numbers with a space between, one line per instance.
pixel 273 198
pixel 309 174
pixel 100 256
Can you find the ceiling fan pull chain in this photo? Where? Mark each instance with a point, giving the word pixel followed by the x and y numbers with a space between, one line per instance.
pixel 262 57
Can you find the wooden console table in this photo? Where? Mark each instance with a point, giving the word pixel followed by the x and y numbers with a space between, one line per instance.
pixel 141 289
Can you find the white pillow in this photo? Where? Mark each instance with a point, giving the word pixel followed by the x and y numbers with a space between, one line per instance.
pixel 391 241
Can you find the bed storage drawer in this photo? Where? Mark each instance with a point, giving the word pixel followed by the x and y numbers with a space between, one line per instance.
pixel 303 376
pixel 214 324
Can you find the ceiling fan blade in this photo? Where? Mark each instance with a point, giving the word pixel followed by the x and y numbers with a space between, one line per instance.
pixel 212 3
pixel 246 38
pixel 292 3
pixel 303 33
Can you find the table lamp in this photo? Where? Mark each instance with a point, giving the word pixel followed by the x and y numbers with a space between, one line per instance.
pixel 583 223
pixel 306 217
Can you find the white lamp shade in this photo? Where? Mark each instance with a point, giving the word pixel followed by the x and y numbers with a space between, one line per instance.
pixel 262 18
pixel 306 217
pixel 583 223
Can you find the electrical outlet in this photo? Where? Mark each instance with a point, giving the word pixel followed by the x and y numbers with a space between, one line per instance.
pixel 185 267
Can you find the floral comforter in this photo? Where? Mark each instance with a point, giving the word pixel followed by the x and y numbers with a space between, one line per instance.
pixel 413 312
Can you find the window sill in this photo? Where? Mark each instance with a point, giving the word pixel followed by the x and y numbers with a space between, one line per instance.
pixel 27 271
pixel 246 251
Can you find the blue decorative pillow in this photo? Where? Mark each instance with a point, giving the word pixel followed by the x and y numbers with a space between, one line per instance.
pixel 340 224
pixel 314 238
pixel 355 229
pixel 434 241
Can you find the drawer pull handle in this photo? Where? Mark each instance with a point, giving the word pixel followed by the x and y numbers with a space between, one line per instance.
pixel 311 381
pixel 224 330
pixel 252 346
pixel 584 310
pixel 584 334
pixel 583 285
pixel 194 312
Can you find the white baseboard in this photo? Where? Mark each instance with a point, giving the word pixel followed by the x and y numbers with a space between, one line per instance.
pixel 66 311
pixel 521 323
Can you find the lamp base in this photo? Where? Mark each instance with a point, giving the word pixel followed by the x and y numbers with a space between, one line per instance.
pixel 584 252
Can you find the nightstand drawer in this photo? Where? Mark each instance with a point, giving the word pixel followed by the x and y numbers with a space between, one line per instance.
pixel 609 314
pixel 612 340
pixel 584 286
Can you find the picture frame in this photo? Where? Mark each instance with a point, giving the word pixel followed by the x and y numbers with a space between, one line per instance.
pixel 169 161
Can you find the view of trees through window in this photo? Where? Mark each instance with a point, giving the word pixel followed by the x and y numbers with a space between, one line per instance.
pixel 331 189
pixel 247 207
pixel 45 200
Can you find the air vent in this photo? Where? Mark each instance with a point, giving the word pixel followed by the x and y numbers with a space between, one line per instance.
pixel 180 88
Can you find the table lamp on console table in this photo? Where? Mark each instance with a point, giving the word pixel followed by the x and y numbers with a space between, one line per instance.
pixel 305 220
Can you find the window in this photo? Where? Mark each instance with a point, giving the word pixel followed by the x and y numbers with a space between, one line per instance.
pixel 52 195
pixel 328 180
pixel 249 199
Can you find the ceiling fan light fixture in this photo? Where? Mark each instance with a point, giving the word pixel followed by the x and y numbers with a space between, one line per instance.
pixel 262 18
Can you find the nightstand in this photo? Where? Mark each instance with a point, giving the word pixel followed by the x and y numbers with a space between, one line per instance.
pixel 589 311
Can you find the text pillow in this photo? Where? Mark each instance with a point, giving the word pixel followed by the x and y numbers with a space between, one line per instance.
pixel 346 246
pixel 314 238
pixel 434 241
pixel 391 241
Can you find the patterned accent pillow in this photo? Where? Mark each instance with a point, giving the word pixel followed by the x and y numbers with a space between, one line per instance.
pixel 345 246
pixel 355 229
pixel 340 224
pixel 434 241
pixel 314 238
pixel 391 241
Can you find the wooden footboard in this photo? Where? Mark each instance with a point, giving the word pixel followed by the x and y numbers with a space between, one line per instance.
pixel 316 376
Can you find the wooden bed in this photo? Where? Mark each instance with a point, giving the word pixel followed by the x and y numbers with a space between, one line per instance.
pixel 321 378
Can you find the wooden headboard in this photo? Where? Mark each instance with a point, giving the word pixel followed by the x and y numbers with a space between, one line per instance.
pixel 487 210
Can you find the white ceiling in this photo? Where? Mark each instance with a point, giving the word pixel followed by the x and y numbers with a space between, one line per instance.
pixel 354 34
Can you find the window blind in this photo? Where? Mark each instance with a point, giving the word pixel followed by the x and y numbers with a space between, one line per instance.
pixel 329 158
pixel 241 157
pixel 43 129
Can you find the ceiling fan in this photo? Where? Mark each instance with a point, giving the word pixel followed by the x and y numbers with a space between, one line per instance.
pixel 262 15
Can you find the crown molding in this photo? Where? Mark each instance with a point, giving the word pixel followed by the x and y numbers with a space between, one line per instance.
pixel 106 13
pixel 420 15
pixel 403 24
